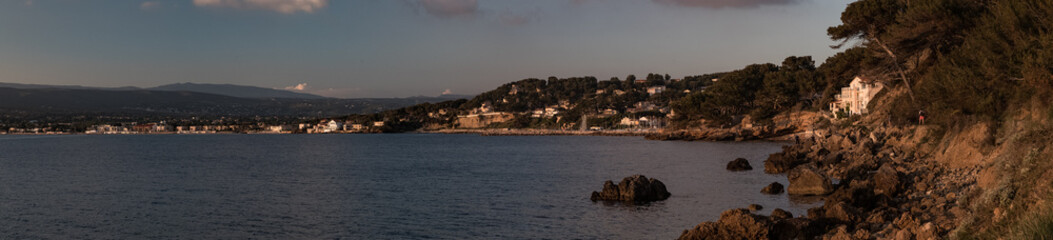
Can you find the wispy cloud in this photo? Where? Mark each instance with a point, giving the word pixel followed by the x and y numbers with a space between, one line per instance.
pixel 450 8
pixel 447 92
pixel 297 87
pixel 150 5
pixel 723 3
pixel 281 6
pixel 29 3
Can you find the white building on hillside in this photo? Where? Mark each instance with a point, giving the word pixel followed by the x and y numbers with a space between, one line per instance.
pixel 854 98
pixel 655 90
pixel 333 126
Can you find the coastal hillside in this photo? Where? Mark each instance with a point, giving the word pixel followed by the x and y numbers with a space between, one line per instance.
pixel 956 147
pixel 757 93
pixel 954 143
pixel 78 108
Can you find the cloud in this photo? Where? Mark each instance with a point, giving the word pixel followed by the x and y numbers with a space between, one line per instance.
pixel 297 87
pixel 447 92
pixel 281 6
pixel 450 8
pixel 150 5
pixel 29 3
pixel 723 3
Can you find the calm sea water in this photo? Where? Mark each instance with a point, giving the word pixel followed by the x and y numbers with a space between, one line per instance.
pixel 365 186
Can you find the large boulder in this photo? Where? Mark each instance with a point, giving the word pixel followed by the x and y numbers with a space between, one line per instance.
pixel 886 180
pixel 773 188
pixel 739 164
pixel 782 162
pixel 806 180
pixel 779 214
pixel 842 212
pixel 795 228
pixel 741 224
pixel 635 189
pixel 733 224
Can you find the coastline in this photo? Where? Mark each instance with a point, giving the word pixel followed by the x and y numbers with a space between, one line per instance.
pixel 542 132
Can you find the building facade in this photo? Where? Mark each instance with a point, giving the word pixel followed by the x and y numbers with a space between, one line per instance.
pixel 853 100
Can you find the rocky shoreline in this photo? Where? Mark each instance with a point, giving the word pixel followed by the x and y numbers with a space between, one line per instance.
pixel 542 132
pixel 884 190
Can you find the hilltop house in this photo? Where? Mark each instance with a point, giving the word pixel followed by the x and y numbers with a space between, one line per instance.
pixel 333 126
pixel 486 107
pixel 514 90
pixel 548 112
pixel 853 99
pixel 655 90
pixel 627 121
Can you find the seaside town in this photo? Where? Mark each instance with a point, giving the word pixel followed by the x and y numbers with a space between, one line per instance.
pixel 639 118
pixel 713 119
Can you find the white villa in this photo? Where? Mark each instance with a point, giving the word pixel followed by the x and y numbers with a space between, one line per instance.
pixel 854 98
pixel 655 90
pixel 334 126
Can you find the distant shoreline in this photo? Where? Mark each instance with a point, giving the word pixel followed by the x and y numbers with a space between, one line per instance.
pixel 543 132
pixel 652 134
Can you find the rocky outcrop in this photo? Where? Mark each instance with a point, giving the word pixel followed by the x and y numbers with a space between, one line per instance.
pixel 739 164
pixel 886 180
pixel 755 207
pixel 773 188
pixel 741 224
pixel 781 125
pixel 779 214
pixel 790 157
pixel 733 224
pixel 636 189
pixel 903 182
pixel 482 120
pixel 808 181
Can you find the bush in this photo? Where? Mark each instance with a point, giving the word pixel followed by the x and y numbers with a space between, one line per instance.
pixel 1035 226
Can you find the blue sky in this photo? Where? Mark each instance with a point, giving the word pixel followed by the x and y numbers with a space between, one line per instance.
pixel 397 48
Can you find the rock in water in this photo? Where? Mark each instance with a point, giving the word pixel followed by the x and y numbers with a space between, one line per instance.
pixel 635 189
pixel 807 180
pixel 739 164
pixel 755 207
pixel 773 188
pixel 778 214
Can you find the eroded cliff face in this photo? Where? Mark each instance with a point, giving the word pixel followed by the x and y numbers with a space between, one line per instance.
pixel 783 126
pixel 979 180
pixel 482 120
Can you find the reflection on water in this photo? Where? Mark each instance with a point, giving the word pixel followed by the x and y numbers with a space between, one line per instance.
pixel 366 186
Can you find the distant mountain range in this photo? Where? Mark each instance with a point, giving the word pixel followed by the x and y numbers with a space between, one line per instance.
pixel 186 99
pixel 235 90
pixel 42 86
pixel 218 89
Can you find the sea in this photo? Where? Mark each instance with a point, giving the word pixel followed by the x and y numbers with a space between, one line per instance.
pixel 385 186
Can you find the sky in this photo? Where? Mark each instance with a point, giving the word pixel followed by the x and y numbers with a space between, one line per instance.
pixel 397 48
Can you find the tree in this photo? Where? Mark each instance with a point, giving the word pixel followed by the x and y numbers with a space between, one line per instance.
pixel 868 20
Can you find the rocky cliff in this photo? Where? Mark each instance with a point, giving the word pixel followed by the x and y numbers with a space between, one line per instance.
pixel 978 180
